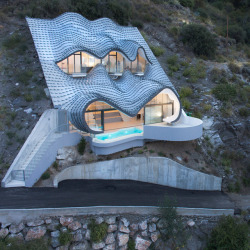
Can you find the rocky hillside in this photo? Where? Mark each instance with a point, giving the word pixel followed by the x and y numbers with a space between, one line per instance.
pixel 213 81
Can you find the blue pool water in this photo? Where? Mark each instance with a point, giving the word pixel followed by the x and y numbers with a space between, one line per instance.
pixel 119 133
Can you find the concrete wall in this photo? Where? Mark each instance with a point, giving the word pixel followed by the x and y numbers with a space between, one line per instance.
pixel 158 170
pixel 18 215
pixel 106 148
pixel 67 139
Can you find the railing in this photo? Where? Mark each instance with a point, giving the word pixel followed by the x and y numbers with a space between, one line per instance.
pixel 23 174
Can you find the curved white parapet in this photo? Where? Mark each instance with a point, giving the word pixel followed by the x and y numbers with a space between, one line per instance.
pixel 185 129
pixel 157 170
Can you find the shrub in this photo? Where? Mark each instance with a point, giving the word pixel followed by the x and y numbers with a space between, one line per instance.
pixel 230 233
pixel 137 23
pixel 45 175
pixel 224 92
pixel 195 72
pixel 217 74
pixel 199 38
pixel 172 223
pixel 12 42
pixel 236 32
pixel 185 92
pixel 16 244
pixel 207 107
pixel 25 76
pixel 186 104
pixel 244 112
pixel 28 97
pixel 131 244
pixel 97 231
pixel 55 165
pixel 157 50
pixel 173 64
pixel 187 3
pixel 65 238
pixel 81 146
pixel 234 68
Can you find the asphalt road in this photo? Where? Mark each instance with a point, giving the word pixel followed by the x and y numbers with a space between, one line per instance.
pixel 83 193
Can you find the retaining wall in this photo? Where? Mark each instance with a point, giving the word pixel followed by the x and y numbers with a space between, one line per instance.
pixel 157 170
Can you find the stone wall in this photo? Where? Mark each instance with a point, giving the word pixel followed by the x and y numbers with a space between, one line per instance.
pixel 158 170
pixel 143 231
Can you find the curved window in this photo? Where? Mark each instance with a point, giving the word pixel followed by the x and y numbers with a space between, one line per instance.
pixel 80 63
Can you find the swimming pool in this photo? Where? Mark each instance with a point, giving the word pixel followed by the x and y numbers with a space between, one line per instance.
pixel 119 133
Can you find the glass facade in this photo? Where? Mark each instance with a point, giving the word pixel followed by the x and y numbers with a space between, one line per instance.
pixel 104 117
pixel 80 63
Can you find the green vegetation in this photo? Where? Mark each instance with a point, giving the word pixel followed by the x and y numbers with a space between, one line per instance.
pixel 187 3
pixel 173 64
pixel 185 92
pixel 55 165
pixel 81 146
pixel 216 75
pixel 161 154
pixel 28 97
pixel 131 244
pixel 45 175
pixel 234 68
pixel 157 50
pixel 229 234
pixel 199 39
pixel 172 223
pixel 140 151
pixel 97 231
pixel 65 238
pixel 24 76
pixel 137 23
pixel 245 112
pixel 224 92
pixel 195 72
pixel 16 244
pixel 186 104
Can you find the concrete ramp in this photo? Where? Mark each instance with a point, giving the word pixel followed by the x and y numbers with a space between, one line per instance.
pixel 156 170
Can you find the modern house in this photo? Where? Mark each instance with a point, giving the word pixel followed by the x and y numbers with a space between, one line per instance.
pixel 107 83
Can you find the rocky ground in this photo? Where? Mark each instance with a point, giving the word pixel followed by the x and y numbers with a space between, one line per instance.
pixel 122 231
pixel 224 148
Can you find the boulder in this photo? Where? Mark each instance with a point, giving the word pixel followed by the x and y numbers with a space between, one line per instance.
pixel 141 244
pixel 55 242
pixel 109 247
pixel 190 223
pixel 4 232
pixel 63 247
pixel 154 219
pixel 87 235
pixel 35 223
pixel 74 225
pixel 110 220
pixel 112 228
pixel 14 229
pixel 134 227
pixel 78 236
pixel 48 221
pixel 155 236
pixel 161 223
pixel 35 233
pixel 55 233
pixel 16 236
pixel 144 233
pixel 85 226
pixel 80 246
pixel 53 226
pixel 143 225
pixel 152 227
pixel 65 221
pixel 99 220
pixel 125 222
pixel 122 239
pixel 123 229
pixel 110 239
pixel 99 245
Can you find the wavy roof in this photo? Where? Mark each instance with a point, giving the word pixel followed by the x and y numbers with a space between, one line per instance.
pixel 58 38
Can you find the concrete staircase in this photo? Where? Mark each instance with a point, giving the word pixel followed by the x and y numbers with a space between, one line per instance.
pixel 27 166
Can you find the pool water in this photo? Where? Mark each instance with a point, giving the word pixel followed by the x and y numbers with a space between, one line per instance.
pixel 119 133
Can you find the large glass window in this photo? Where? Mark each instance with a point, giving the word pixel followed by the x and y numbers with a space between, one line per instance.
pixel 80 63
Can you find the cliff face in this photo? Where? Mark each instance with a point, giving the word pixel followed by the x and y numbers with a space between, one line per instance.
pixel 214 89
